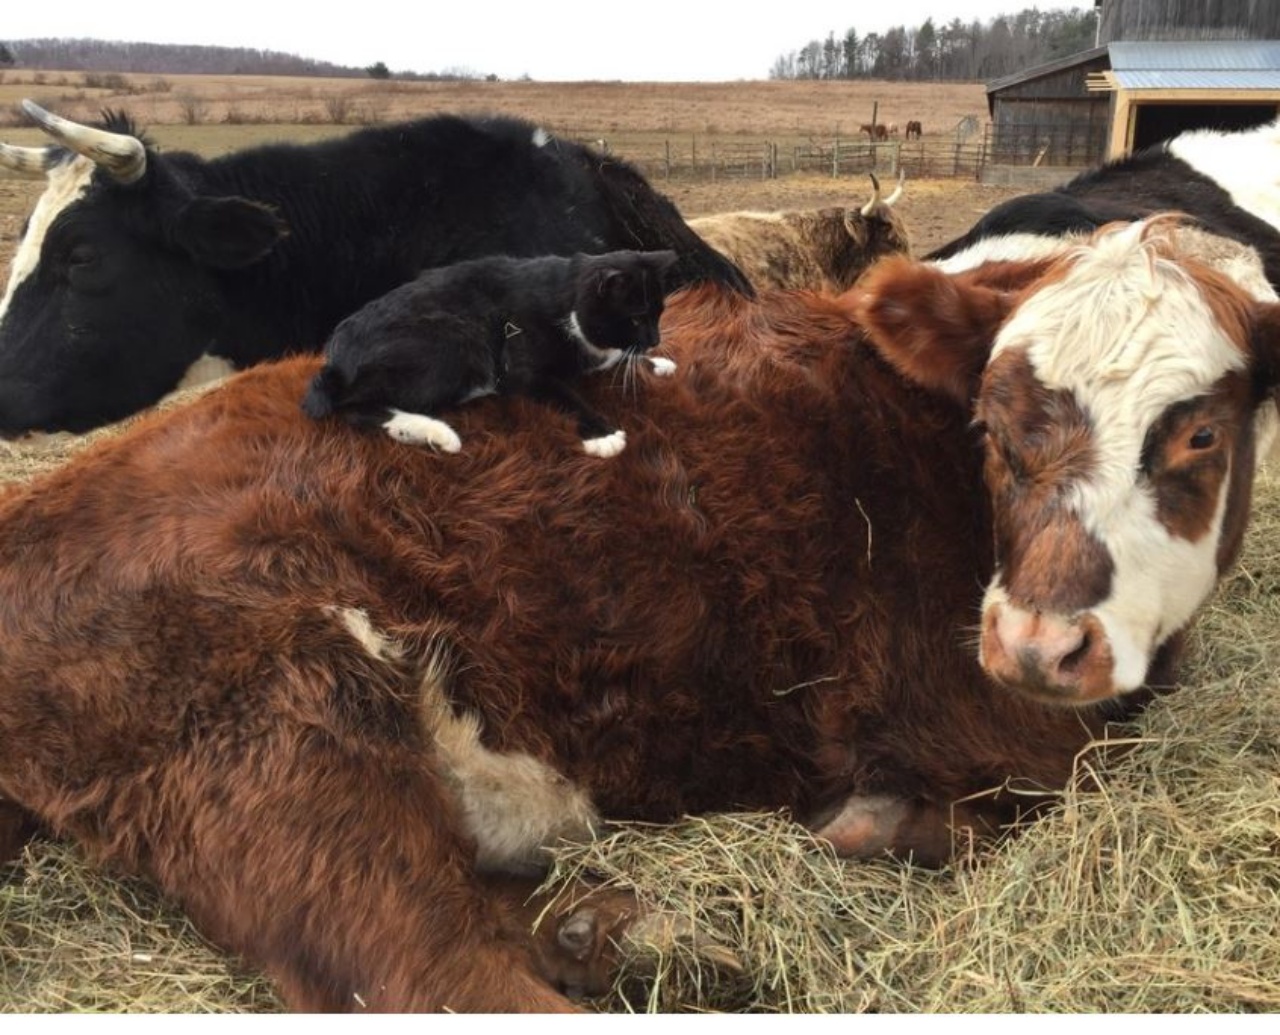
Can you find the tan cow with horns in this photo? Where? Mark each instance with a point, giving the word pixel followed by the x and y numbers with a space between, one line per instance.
pixel 819 249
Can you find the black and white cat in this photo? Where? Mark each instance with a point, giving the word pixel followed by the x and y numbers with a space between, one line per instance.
pixel 496 325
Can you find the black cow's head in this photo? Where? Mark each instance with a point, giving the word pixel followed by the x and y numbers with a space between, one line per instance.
pixel 112 293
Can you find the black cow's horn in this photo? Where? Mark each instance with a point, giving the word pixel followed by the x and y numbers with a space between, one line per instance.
pixel 31 162
pixel 122 155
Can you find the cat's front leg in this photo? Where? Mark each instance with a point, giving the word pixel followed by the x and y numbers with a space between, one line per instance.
pixel 599 437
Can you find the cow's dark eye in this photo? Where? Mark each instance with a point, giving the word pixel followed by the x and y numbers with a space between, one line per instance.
pixel 1203 438
pixel 82 255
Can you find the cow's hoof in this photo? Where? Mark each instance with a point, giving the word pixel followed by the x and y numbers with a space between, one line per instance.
pixel 580 950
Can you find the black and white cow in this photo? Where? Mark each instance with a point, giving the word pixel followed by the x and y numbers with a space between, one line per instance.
pixel 1226 181
pixel 134 265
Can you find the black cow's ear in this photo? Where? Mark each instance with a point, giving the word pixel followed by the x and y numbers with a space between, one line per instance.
pixel 227 233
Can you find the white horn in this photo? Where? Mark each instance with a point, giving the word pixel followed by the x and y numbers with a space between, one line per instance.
pixel 897 191
pixel 29 162
pixel 869 208
pixel 122 155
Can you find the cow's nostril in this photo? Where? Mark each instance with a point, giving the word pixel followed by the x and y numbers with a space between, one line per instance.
pixel 1072 662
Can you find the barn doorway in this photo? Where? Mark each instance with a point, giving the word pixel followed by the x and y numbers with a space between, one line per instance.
pixel 1157 122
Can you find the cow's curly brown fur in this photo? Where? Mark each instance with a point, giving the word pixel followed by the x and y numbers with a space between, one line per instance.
pixel 768 600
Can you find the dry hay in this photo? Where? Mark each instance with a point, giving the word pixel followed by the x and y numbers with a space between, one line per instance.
pixel 1159 892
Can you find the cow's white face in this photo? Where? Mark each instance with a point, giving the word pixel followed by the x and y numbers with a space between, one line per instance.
pixel 1116 406
pixel 1116 387
pixel 67 183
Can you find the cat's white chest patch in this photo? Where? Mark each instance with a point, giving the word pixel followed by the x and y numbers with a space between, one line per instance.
pixel 417 429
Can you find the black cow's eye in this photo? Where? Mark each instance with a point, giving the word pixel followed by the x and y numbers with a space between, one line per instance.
pixel 1203 438
pixel 81 255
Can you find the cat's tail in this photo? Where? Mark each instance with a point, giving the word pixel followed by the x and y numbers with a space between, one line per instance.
pixel 322 397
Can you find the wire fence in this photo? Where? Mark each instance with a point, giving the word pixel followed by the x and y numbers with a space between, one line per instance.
pixel 965 156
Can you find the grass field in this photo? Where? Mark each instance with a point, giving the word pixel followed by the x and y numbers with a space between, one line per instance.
pixel 774 110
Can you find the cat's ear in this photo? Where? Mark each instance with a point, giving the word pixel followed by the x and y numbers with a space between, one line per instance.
pixel 613 281
pixel 662 261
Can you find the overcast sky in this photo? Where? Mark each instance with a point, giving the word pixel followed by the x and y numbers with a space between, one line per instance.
pixel 637 40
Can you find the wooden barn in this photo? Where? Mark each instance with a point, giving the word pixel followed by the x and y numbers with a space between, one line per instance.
pixel 1160 67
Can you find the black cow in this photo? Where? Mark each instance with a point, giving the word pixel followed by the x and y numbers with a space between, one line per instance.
pixel 134 264
pixel 1225 181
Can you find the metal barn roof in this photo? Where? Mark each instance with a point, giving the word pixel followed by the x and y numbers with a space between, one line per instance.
pixel 1173 65
pixel 1196 65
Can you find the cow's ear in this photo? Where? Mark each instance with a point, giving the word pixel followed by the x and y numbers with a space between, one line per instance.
pixel 227 233
pixel 934 328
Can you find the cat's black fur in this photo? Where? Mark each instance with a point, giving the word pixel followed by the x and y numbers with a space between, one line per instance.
pixel 492 325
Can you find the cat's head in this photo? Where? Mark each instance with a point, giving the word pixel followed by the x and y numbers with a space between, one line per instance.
pixel 619 297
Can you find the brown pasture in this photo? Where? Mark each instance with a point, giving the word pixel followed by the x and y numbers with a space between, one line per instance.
pixel 632 118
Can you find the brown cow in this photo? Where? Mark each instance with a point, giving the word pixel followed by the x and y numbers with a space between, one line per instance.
pixel 821 249
pixel 306 678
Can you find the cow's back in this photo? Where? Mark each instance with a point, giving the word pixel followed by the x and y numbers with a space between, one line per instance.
pixel 697 623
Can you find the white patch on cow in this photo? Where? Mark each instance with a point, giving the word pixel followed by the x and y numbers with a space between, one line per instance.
pixel 1128 334
pixel 1243 164
pixel 417 429
pixel 541 138
pixel 602 359
pixel 67 184
pixel 205 370
pixel 661 366
pixel 357 623
pixel 1009 248
pixel 606 445
pixel 515 806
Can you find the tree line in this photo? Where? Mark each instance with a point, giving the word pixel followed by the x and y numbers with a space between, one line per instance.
pixel 91 55
pixel 955 50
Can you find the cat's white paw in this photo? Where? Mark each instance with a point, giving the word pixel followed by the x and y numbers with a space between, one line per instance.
pixel 606 445
pixel 662 366
pixel 417 429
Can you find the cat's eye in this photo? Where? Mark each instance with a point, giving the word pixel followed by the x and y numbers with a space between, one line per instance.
pixel 1203 438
